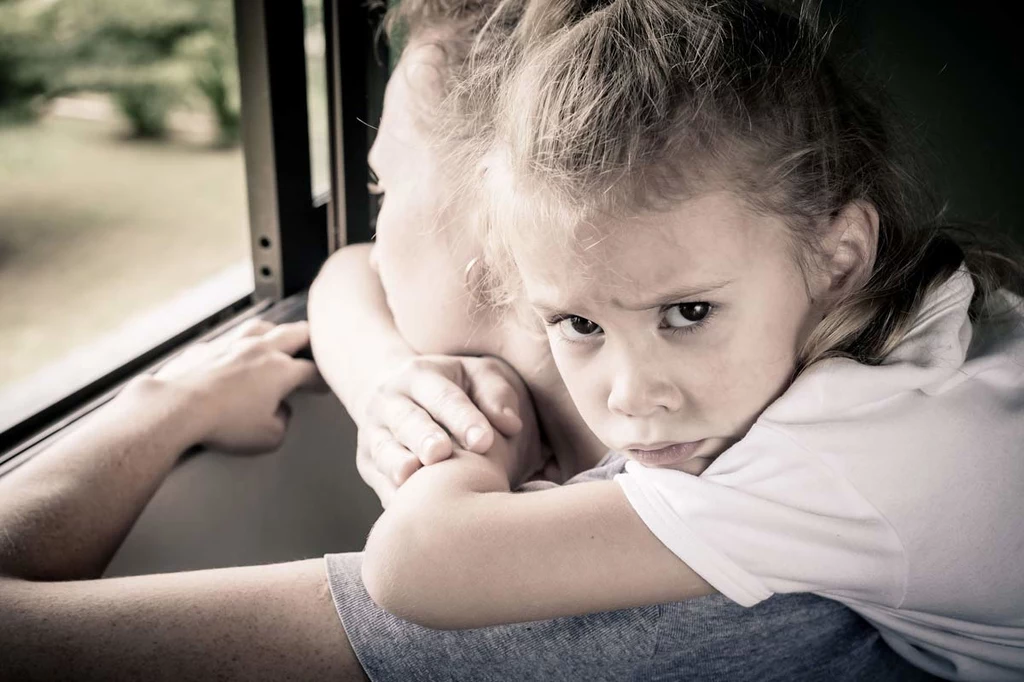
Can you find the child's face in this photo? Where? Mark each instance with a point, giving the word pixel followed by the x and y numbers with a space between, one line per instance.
pixel 421 269
pixel 674 328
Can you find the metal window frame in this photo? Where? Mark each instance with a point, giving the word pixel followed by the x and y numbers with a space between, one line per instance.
pixel 357 71
pixel 289 233
pixel 289 228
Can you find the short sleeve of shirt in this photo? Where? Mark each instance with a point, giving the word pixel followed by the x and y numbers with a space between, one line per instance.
pixel 769 517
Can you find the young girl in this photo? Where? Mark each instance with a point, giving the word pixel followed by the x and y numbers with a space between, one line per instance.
pixel 741 299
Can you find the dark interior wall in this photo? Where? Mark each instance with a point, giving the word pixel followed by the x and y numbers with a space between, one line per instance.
pixel 954 70
pixel 219 510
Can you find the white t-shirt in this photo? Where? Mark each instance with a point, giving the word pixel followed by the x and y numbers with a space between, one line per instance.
pixel 897 490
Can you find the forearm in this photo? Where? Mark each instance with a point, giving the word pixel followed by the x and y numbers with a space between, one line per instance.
pixel 270 622
pixel 456 550
pixel 64 513
pixel 352 331
pixel 414 550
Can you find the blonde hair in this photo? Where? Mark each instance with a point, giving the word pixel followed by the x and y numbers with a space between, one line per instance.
pixel 578 108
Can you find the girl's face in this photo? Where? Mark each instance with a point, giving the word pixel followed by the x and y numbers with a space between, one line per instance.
pixel 421 266
pixel 674 330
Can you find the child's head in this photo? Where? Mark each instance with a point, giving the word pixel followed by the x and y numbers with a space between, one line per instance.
pixel 676 326
pixel 421 253
pixel 638 147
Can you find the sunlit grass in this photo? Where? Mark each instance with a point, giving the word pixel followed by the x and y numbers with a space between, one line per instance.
pixel 95 228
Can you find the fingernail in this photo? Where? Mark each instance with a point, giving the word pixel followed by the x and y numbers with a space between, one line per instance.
pixel 474 435
pixel 431 442
pixel 511 414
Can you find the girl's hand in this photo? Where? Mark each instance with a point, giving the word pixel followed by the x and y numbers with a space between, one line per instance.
pixel 413 416
pixel 235 385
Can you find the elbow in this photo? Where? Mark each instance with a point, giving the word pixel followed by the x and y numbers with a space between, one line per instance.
pixel 342 262
pixel 403 573
pixel 381 564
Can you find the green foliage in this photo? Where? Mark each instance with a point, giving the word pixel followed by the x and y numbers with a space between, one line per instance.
pixel 215 76
pixel 152 56
pixel 22 80
pixel 214 82
pixel 146 106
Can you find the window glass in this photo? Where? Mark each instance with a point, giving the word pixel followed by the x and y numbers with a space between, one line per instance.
pixel 316 97
pixel 123 213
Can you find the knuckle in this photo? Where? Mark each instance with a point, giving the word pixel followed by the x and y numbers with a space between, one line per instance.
pixel 378 396
pixel 254 327
pixel 413 432
pixel 402 412
pixel 383 448
pixel 424 364
pixel 454 404
pixel 248 347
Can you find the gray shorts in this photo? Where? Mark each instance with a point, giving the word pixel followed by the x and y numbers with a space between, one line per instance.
pixel 788 637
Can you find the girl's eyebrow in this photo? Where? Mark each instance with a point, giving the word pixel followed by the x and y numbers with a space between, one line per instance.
pixel 661 300
pixel 670 296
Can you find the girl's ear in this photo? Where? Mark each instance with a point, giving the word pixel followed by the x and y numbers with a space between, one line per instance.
pixel 848 251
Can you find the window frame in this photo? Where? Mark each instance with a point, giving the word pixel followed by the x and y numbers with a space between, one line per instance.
pixel 357 71
pixel 291 232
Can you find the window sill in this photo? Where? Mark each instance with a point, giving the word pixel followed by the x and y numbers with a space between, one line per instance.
pixel 33 409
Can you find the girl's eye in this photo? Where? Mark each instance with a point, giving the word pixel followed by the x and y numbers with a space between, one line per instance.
pixel 684 315
pixel 574 327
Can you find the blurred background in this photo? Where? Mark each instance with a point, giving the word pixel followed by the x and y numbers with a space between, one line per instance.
pixel 122 183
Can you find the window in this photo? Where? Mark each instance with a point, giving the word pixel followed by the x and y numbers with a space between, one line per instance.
pixel 122 193
pixel 316 98
pixel 157 175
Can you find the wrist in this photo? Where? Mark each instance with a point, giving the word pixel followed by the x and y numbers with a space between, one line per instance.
pixel 173 411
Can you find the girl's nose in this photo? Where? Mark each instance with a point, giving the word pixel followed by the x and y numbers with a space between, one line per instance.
pixel 642 392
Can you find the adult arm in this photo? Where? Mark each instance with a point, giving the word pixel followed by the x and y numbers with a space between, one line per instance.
pixel 352 331
pixel 457 549
pixel 64 513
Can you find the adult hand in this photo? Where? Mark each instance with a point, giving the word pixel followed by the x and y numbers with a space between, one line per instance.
pixel 235 385
pixel 413 416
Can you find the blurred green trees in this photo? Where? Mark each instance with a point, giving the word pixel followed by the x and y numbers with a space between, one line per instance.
pixel 151 56
pixel 22 67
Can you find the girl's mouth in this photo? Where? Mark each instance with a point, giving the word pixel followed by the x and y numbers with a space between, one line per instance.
pixel 664 456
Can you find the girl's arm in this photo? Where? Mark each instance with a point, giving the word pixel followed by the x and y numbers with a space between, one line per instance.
pixel 64 513
pixel 457 549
